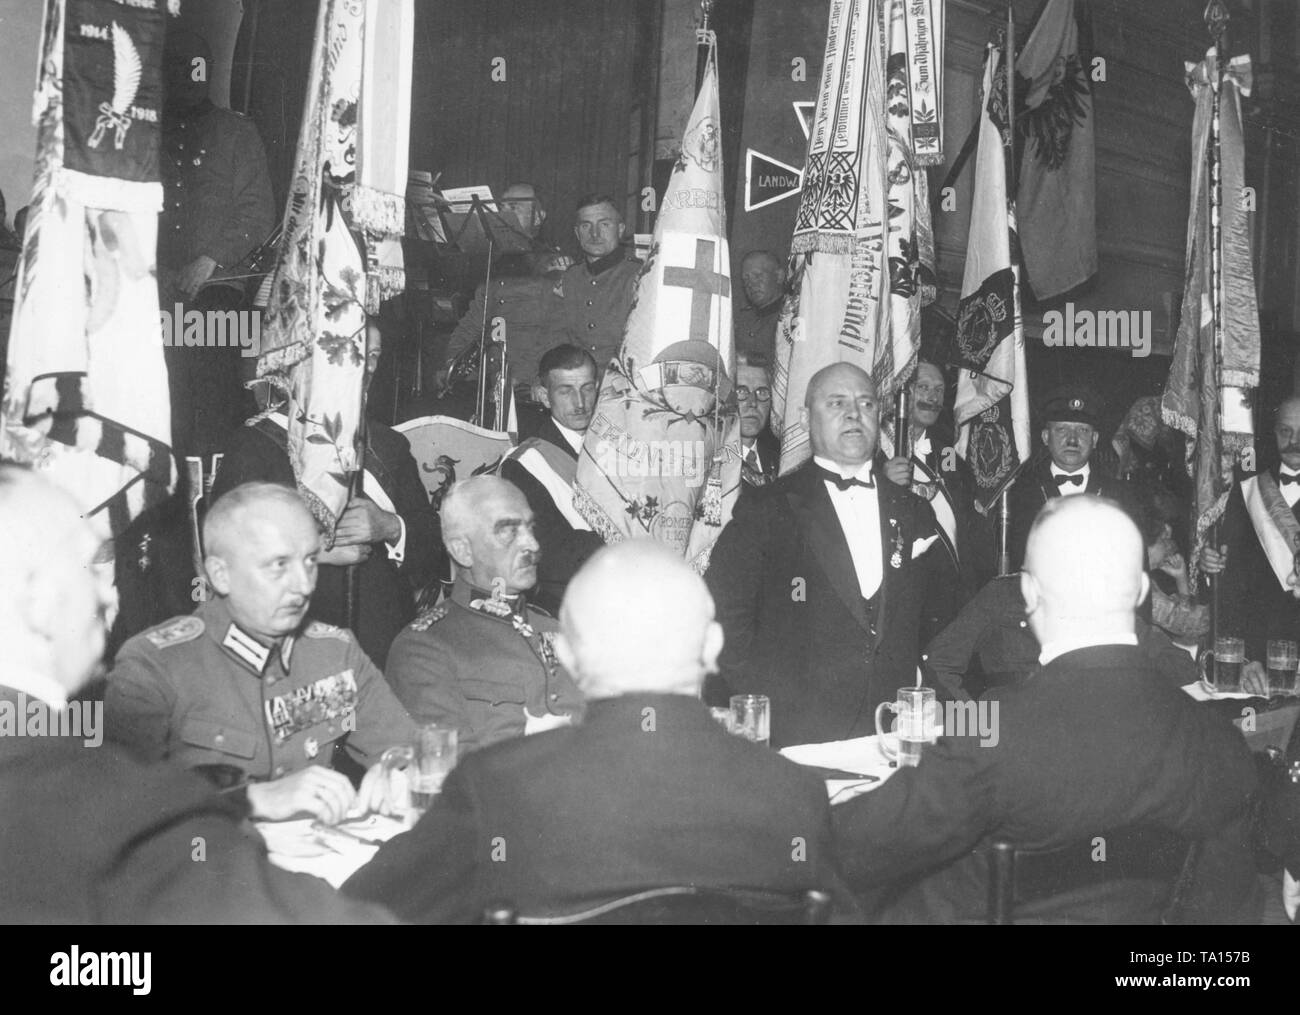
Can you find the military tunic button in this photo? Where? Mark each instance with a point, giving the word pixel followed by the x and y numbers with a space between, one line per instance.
pixel 279 771
pixel 591 326
pixel 589 303
pixel 500 302
pixel 555 696
pixel 219 739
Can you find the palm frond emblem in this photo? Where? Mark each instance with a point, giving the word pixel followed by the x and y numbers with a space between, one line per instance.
pixel 127 69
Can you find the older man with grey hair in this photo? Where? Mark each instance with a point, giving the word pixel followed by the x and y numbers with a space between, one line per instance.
pixel 647 791
pixel 483 660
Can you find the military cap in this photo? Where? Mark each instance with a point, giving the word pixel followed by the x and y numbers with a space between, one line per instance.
pixel 1072 403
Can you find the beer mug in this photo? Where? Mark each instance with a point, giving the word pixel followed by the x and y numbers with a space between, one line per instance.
pixel 1282 662
pixel 414 772
pixel 751 717
pixel 1228 658
pixel 916 716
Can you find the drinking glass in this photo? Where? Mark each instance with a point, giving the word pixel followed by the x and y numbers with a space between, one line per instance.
pixel 1227 659
pixel 751 717
pixel 422 765
pixel 917 715
pixel 1282 661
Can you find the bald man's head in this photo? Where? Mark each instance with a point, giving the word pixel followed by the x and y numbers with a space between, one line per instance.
pixel 841 412
pixel 637 620
pixel 260 544
pixel 54 593
pixel 1084 569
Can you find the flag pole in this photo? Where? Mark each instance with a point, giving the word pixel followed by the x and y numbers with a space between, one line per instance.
pixel 1009 68
pixel 703 42
pixel 1216 21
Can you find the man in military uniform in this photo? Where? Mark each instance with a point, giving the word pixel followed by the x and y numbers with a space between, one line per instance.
pixel 246 689
pixel 595 296
pixel 520 297
pixel 1070 421
pixel 218 208
pixel 483 660
pixel 763 278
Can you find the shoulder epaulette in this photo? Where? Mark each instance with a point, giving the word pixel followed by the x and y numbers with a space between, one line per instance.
pixel 176 631
pixel 428 618
pixel 316 629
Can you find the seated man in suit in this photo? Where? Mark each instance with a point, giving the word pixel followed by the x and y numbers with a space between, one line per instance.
pixel 1260 533
pixel 483 660
pixel 544 467
pixel 388 531
pixel 760 451
pixel 90 835
pixel 648 791
pixel 1071 416
pixel 819 579
pixel 1096 743
pixel 247 689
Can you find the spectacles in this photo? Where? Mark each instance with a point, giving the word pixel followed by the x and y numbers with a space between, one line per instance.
pixel 759 394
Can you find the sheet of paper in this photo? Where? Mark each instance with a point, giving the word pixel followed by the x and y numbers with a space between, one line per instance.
pixel 1201 692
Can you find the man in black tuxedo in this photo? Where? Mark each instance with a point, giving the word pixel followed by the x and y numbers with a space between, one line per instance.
pixel 545 465
pixel 819 577
pixel 1070 421
pixel 760 451
pixel 1257 604
pixel 1098 742
pixel 648 791
pixel 389 531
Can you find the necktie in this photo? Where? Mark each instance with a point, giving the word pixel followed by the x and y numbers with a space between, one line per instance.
pixel 1075 480
pixel 843 484
pixel 751 458
pixel 1283 479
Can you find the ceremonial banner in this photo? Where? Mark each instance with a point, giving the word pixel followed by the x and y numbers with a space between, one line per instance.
pixel 315 333
pixel 86 397
pixel 839 275
pixel 992 404
pixel 1215 411
pixel 1055 202
pixel 662 456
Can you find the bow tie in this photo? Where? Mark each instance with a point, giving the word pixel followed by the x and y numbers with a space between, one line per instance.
pixel 1062 479
pixel 1283 479
pixel 843 484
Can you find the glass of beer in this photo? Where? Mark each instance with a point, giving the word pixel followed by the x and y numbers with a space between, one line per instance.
pixel 416 770
pixel 751 717
pixel 916 720
pixel 1282 661
pixel 1221 669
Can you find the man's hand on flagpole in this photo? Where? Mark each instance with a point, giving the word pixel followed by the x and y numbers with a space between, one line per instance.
pixel 194 274
pixel 364 522
pixel 899 471
pixel 1214 561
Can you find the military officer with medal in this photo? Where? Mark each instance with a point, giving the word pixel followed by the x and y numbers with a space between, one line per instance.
pixel 482 660
pixel 248 690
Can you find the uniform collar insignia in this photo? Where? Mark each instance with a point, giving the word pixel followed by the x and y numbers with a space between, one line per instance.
pixel 251 651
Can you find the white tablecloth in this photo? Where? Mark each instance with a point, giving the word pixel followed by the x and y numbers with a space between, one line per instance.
pixel 296 846
pixel 861 755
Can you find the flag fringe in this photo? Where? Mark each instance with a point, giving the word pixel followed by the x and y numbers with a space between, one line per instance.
pixel 378 212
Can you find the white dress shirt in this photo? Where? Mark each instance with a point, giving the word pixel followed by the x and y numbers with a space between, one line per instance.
pixel 1070 489
pixel 859 513
pixel 1290 491
pixel 574 437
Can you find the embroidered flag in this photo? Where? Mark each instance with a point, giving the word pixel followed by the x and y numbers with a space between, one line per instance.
pixel 1215 411
pixel 839 273
pixel 331 266
pixel 1056 197
pixel 661 458
pixel 992 403
pixel 86 396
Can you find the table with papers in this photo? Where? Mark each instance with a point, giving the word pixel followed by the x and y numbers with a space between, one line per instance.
pixel 334 854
